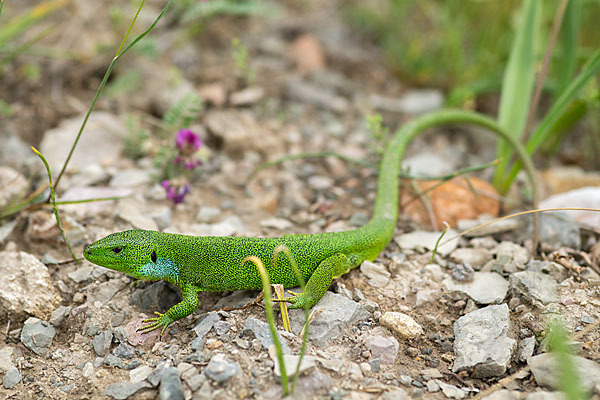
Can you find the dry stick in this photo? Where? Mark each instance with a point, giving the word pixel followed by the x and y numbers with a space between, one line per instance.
pixel 538 210
pixel 558 17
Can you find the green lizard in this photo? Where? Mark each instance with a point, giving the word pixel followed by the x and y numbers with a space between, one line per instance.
pixel 215 264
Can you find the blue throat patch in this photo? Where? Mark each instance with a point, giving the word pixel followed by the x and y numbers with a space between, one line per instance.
pixel 163 268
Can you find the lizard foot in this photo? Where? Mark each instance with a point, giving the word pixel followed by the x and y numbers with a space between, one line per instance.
pixel 298 300
pixel 154 323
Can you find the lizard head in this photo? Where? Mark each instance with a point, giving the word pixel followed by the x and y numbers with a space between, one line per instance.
pixel 129 251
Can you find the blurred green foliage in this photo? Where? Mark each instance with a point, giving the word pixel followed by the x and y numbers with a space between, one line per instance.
pixel 462 45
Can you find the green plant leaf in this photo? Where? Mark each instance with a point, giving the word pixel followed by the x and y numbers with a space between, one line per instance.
pixel 518 83
pixel 544 129
pixel 567 62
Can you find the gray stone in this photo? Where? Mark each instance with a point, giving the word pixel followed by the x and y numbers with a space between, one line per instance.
pixel 229 226
pixel 401 324
pixel 170 385
pixel 546 371
pixel 102 342
pixel 427 240
pixel 14 152
pixel 237 299
pixel 129 210
pixel 502 394
pixel 237 131
pixel 7 358
pixel 526 348
pixel 37 335
pixel 482 343
pixel 131 177
pixel 416 101
pixel 276 223
pixel 557 229
pixel 431 373
pixel 221 327
pixel 291 363
pixel 333 314
pixel 544 396
pixel 555 270
pixel 123 351
pixel 383 348
pixel 208 214
pixel 451 391
pixel 11 378
pixel 113 361
pixel 13 185
pixel 157 296
pixel 196 381
pixel 510 257
pixel 162 217
pixel 247 96
pixel 139 374
pixel 429 163
pixel 378 275
pixel 102 142
pixel 504 225
pixel 26 287
pixel 205 323
pixel 82 210
pixel 59 315
pixel 432 386
pixel 220 368
pixel 485 288
pixel 105 291
pixel 476 257
pixel 535 287
pixel 394 393
pixel 123 390
pixel 262 332
pixel 6 228
pixel 315 95
pixel 197 344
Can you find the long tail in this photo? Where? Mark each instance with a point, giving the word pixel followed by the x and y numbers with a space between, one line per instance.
pixel 382 224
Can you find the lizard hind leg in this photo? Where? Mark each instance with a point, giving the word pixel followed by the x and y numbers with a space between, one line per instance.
pixel 321 279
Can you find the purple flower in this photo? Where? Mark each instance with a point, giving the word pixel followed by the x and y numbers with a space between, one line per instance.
pixel 187 141
pixel 188 162
pixel 176 191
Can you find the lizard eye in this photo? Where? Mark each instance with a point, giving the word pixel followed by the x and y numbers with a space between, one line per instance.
pixel 117 250
pixel 153 256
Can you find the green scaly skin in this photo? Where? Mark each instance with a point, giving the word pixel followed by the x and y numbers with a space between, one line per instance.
pixel 216 264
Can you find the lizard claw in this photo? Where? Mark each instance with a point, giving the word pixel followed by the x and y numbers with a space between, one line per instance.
pixel 154 323
pixel 296 300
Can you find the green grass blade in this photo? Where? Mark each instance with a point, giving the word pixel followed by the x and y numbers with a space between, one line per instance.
pixel 16 26
pixel 518 83
pixel 567 62
pixel 264 276
pixel 53 202
pixel 552 117
pixel 568 376
pixel 283 248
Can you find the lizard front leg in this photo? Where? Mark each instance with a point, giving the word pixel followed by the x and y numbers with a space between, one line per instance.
pixel 188 305
pixel 321 279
